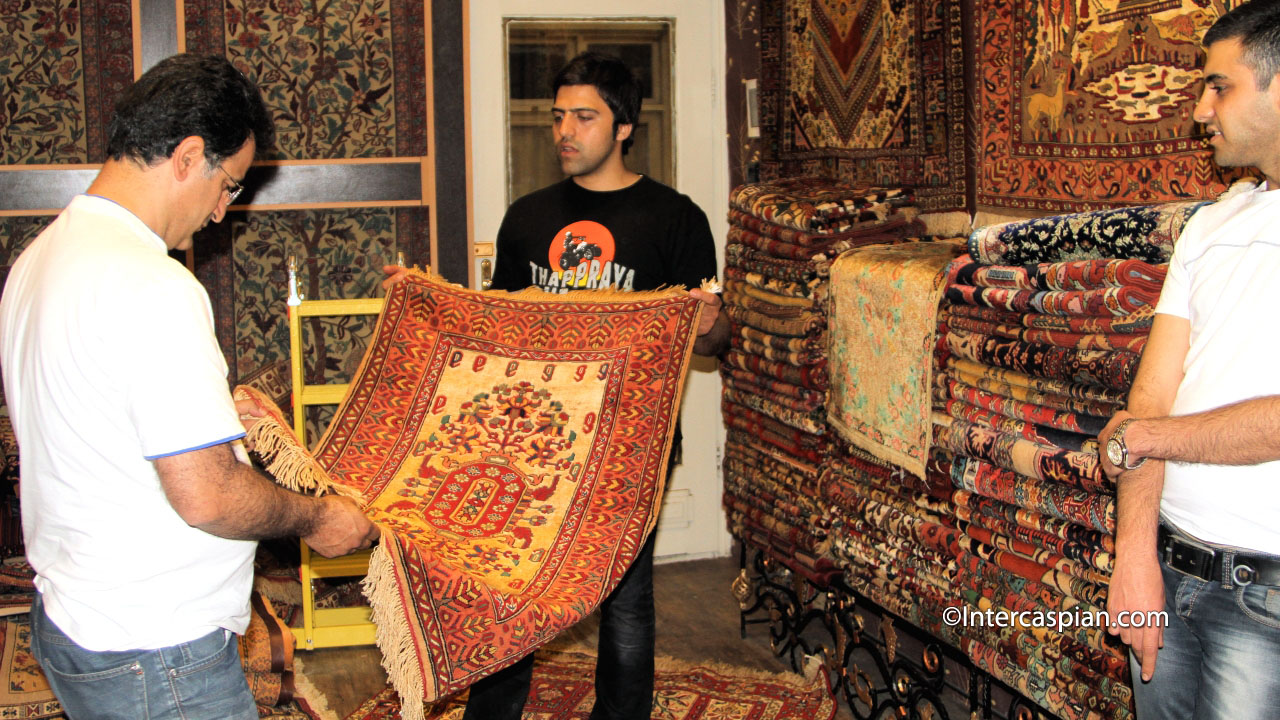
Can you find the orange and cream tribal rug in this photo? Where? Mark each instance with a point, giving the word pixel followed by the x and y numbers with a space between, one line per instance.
pixel 513 449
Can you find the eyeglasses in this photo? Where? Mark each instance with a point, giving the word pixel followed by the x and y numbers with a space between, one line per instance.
pixel 236 188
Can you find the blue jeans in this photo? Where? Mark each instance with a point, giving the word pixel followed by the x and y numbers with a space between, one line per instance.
pixel 201 679
pixel 1221 650
pixel 624 665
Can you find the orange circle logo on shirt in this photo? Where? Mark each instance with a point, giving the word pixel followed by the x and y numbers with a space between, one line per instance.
pixel 578 243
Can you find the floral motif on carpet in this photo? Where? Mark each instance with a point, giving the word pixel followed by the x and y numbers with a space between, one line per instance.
pixel 340 255
pixel 867 92
pixel 882 326
pixel 341 80
pixel 16 233
pixel 563 689
pixel 1142 233
pixel 1088 105
pixel 62 66
pixel 513 448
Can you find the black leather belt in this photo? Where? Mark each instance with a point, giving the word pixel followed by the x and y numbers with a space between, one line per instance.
pixel 1216 564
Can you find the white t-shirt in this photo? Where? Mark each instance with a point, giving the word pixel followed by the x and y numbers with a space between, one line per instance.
pixel 1225 279
pixel 110 361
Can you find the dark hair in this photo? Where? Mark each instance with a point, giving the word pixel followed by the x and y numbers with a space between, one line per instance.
pixel 614 81
pixel 1257 24
pixel 186 95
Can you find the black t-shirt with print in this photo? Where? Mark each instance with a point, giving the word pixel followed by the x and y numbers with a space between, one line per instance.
pixel 642 237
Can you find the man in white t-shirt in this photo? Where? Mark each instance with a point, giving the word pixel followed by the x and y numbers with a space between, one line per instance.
pixel 138 518
pixel 1196 456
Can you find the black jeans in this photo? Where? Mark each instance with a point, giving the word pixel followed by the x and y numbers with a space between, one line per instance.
pixel 624 666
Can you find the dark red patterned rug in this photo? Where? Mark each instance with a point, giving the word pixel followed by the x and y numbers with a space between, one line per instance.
pixel 866 92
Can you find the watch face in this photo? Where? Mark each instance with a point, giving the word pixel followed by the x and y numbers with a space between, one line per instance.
pixel 1115 453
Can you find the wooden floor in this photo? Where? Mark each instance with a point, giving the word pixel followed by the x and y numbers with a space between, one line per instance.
pixel 698 621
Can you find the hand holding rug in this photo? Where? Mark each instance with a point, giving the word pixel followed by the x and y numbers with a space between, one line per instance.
pixel 513 450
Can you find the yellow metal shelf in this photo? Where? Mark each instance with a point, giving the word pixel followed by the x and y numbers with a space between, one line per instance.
pixel 336 627
pixel 324 627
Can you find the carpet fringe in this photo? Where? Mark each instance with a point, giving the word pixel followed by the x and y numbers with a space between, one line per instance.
pixel 948 224
pixel 307 690
pixel 288 592
pixel 602 295
pixel 399 658
pixel 283 457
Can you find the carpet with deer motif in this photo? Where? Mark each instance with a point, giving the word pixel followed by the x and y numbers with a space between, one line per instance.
pixel 1088 105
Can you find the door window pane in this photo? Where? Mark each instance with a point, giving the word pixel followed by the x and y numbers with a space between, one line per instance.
pixel 537 49
pixel 638 57
pixel 531 68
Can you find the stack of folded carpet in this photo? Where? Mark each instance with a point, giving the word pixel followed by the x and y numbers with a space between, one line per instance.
pixel 892 536
pixel 892 523
pixel 1041 330
pixel 965 395
pixel 781 239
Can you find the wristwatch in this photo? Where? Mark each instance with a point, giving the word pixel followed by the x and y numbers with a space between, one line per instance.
pixel 1117 451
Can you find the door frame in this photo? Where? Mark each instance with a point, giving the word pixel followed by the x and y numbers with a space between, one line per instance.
pixel 693 522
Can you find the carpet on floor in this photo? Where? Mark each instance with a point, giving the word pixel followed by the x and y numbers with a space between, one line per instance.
pixel 563 690
pixel 24 693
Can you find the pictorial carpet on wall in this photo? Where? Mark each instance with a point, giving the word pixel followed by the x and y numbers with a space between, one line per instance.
pixel 342 81
pixel 1084 106
pixel 866 92
pixel 513 449
pixel 563 689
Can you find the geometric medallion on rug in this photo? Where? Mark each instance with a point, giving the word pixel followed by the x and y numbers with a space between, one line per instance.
pixel 513 448
pixel 563 689
pixel 1086 106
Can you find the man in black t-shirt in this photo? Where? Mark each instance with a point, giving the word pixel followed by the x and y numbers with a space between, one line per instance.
pixel 604 227
pixel 638 237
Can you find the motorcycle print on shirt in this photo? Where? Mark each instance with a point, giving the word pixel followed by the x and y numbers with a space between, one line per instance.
pixel 581 256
